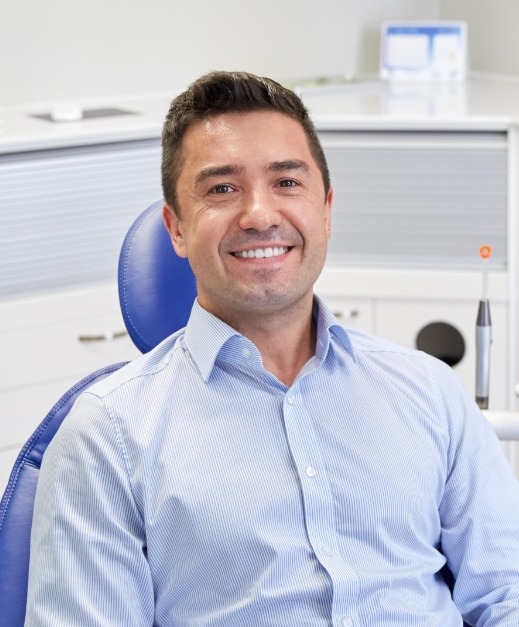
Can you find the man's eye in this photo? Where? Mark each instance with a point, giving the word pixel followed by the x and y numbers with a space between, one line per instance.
pixel 222 189
pixel 288 183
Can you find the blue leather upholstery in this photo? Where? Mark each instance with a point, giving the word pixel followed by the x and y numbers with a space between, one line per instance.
pixel 16 506
pixel 153 278
pixel 156 293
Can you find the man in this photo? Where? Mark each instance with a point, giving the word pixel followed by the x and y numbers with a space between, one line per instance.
pixel 265 466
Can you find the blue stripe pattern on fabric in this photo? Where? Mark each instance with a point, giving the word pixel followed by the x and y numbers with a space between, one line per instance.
pixel 192 488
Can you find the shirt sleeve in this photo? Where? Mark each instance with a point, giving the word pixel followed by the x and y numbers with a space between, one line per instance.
pixel 88 555
pixel 479 514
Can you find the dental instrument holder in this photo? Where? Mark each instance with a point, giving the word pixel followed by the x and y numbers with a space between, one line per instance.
pixel 483 343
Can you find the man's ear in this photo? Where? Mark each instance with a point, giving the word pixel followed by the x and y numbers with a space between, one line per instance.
pixel 328 210
pixel 173 226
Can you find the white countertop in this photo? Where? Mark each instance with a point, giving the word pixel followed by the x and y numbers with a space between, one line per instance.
pixel 480 103
pixel 20 131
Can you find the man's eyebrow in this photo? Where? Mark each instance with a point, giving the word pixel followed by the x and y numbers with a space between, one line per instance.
pixel 230 168
pixel 219 170
pixel 288 164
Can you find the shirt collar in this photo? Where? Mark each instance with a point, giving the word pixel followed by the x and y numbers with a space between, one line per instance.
pixel 204 338
pixel 328 327
pixel 206 335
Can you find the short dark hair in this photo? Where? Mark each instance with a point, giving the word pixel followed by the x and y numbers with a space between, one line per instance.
pixel 229 92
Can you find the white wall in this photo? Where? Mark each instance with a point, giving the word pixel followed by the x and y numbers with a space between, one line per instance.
pixel 493 31
pixel 65 49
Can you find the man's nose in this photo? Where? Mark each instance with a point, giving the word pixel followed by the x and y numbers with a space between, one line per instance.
pixel 260 211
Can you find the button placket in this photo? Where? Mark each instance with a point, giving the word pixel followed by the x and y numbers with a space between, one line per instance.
pixel 318 501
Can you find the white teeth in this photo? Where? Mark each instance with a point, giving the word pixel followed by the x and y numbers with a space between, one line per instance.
pixel 259 253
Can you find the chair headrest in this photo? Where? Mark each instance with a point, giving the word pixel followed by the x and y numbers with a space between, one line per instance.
pixel 156 286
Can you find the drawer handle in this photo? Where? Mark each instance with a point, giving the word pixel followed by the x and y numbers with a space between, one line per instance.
pixel 346 314
pixel 103 337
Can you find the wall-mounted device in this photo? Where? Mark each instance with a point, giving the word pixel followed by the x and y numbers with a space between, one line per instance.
pixel 423 51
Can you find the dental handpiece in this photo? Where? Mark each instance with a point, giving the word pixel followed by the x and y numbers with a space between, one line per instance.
pixel 483 337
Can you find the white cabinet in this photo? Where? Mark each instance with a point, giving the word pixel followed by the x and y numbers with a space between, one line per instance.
pixel 64 212
pixel 49 342
pixel 410 199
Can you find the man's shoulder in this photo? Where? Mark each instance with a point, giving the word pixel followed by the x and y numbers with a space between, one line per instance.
pixel 383 355
pixel 146 367
pixel 364 342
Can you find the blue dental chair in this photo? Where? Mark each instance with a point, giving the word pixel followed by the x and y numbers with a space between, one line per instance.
pixel 156 293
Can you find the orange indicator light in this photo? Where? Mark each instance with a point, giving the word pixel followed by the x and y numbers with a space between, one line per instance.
pixel 485 251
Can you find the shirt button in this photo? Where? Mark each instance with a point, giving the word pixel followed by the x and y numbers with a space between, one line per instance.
pixel 290 400
pixel 327 551
pixel 246 352
pixel 346 621
pixel 311 471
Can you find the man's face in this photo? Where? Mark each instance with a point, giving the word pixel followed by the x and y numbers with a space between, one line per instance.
pixel 254 221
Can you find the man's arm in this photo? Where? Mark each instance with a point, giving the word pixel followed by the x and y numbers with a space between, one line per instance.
pixel 480 516
pixel 88 556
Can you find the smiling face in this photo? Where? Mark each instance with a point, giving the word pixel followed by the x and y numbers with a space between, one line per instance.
pixel 254 220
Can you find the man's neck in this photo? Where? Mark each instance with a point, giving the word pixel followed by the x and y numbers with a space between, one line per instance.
pixel 286 342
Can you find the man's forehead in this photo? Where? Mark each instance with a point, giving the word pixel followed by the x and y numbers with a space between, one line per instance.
pixel 246 134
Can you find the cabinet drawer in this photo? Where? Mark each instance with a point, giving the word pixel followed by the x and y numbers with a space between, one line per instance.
pixel 49 343
pixel 61 336
pixel 39 354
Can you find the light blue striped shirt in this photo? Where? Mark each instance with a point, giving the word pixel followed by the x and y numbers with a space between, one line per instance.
pixel 193 489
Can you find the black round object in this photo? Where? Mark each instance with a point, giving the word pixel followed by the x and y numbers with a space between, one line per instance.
pixel 442 340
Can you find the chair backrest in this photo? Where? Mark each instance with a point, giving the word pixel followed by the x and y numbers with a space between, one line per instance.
pixel 156 293
pixel 153 278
